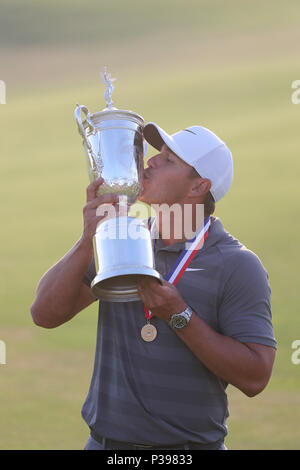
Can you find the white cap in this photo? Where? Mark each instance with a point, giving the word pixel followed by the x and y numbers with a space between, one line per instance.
pixel 201 149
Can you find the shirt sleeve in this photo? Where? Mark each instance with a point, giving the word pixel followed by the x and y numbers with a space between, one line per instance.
pixel 90 273
pixel 245 306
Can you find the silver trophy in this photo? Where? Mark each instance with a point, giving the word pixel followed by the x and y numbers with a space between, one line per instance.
pixel 114 147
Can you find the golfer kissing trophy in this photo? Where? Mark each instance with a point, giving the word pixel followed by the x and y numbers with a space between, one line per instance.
pixel 114 146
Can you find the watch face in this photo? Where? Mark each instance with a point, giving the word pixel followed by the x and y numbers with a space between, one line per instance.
pixel 179 322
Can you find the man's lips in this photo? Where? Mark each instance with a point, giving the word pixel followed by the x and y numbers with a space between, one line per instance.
pixel 146 174
pixel 146 177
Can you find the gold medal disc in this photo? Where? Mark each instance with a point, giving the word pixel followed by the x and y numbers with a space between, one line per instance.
pixel 148 332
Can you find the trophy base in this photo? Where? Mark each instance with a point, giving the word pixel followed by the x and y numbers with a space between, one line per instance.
pixel 119 285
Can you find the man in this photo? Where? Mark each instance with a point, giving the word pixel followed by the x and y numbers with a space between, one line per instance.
pixel 213 321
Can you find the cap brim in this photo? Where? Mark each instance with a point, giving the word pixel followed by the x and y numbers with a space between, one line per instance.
pixel 156 137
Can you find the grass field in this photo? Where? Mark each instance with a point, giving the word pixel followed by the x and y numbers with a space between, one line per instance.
pixel 219 66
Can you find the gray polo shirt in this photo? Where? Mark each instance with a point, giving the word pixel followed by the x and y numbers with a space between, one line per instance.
pixel 159 392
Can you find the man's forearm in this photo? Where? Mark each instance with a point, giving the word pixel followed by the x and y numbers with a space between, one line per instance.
pixel 59 288
pixel 232 361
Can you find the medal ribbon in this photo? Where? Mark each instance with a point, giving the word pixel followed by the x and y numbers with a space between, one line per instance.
pixel 185 258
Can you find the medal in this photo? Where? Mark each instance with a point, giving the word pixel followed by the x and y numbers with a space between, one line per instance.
pixel 148 332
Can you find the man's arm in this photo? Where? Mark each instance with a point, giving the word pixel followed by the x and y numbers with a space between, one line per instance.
pixel 247 366
pixel 61 292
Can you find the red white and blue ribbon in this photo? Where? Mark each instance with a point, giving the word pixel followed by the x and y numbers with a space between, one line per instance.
pixel 185 258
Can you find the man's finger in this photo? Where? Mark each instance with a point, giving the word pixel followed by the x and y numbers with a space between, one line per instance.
pixel 148 281
pixel 105 199
pixel 92 189
pixel 165 283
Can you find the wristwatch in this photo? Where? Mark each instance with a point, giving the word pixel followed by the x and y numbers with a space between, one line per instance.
pixel 180 320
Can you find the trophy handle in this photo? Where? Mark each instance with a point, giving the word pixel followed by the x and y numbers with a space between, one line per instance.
pixel 80 123
pixel 77 113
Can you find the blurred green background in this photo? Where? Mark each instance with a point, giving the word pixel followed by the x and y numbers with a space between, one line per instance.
pixel 226 65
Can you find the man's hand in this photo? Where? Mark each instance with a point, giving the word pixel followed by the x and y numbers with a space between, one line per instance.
pixel 90 215
pixel 62 293
pixel 162 299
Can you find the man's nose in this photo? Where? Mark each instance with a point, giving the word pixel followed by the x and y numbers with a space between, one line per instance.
pixel 153 162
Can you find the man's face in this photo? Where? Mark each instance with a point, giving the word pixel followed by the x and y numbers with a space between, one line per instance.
pixel 166 180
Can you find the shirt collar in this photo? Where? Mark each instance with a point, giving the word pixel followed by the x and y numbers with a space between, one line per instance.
pixel 216 232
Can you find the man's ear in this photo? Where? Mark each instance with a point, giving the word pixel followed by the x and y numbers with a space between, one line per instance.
pixel 200 187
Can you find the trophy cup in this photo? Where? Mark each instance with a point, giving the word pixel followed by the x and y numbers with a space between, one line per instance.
pixel 114 146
